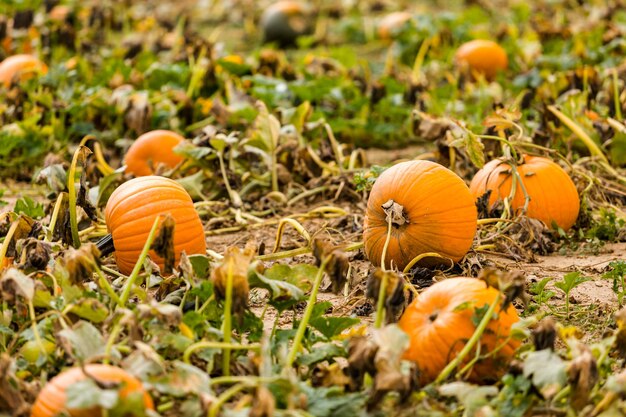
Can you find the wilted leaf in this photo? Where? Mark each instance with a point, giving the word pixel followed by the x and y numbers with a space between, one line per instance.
pixel 90 309
pixel 83 341
pixel 547 371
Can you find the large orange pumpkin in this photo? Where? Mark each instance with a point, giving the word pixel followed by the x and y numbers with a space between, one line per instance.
pixel 390 24
pixel 482 57
pixel 20 66
pixel 439 323
pixel 150 150
pixel 438 210
pixel 51 400
pixel 553 195
pixel 132 209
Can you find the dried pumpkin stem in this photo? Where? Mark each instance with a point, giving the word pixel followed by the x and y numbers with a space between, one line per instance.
pixel 33 320
pixel 421 256
pixel 306 194
pixel 224 397
pixel 296 225
pixel 71 189
pixel 380 304
pixel 594 149
pixel 53 218
pixel 142 257
pixel 216 345
pixel 7 240
pixel 227 324
pixel 618 105
pixel 115 332
pixel 480 329
pixel 297 341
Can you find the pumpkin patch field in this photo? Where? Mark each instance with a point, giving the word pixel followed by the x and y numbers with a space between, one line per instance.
pixel 318 208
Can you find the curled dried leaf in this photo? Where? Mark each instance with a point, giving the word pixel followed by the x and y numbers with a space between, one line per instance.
pixel 511 283
pixel 620 333
pixel 263 404
pixel 235 265
pixel 583 375
pixel 361 353
pixel 35 254
pixel 544 334
pixel 163 243
pixel 81 263
pixel 395 298
pixel 332 375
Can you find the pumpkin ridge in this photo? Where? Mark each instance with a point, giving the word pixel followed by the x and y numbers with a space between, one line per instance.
pixel 133 194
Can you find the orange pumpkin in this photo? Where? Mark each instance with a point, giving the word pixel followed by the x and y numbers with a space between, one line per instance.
pixel 553 195
pixel 390 24
pixel 437 209
pixel 51 400
pixel 439 323
pixel 482 57
pixel 132 209
pixel 285 21
pixel 150 150
pixel 20 66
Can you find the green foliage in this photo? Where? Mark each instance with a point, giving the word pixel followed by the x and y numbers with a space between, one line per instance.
pixel 570 281
pixel 29 207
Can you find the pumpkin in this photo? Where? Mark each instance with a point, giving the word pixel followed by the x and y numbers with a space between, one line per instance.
pixel 51 399
pixel 20 66
pixel 132 210
pixel 390 24
pixel 553 195
pixel 482 56
pixel 435 213
pixel 285 21
pixel 152 149
pixel 439 323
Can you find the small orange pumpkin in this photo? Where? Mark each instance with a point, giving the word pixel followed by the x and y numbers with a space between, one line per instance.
pixel 482 56
pixel 132 209
pixel 553 195
pixel 284 21
pixel 22 66
pixel 391 23
pixel 51 400
pixel 436 213
pixel 439 323
pixel 150 150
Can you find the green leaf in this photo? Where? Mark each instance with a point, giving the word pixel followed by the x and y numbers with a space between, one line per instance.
pixel 287 284
pixel 201 266
pixel 333 402
pixel 570 281
pixel 322 352
pixel 329 326
pixel 29 207
pixel 472 145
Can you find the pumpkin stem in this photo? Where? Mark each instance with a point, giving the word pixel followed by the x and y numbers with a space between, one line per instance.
pixel 105 245
pixel 395 213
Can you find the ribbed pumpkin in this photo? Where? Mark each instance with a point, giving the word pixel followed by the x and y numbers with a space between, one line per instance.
pixel 51 400
pixel 553 195
pixel 132 209
pixel 483 57
pixel 20 66
pixel 150 150
pixel 439 323
pixel 285 21
pixel 438 210
pixel 391 23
